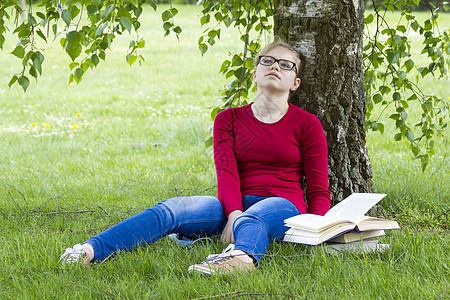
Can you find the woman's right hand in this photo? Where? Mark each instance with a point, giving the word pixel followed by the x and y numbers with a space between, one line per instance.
pixel 227 234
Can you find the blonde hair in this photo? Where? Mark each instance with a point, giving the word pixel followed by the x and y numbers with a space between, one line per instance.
pixel 300 63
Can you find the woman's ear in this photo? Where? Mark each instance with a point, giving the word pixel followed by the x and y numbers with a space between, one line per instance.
pixel 296 84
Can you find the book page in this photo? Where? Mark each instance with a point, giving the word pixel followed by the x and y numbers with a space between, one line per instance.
pixel 314 223
pixel 354 206
pixel 372 223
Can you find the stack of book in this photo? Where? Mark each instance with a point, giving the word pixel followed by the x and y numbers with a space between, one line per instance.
pixel 344 227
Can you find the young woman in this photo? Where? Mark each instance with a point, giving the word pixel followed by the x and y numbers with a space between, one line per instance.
pixel 261 152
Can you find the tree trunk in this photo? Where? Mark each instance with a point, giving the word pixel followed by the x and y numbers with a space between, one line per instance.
pixel 330 33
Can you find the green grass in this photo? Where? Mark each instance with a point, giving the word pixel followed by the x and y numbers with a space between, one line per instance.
pixel 131 149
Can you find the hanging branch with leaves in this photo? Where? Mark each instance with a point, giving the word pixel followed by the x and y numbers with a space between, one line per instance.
pixel 392 75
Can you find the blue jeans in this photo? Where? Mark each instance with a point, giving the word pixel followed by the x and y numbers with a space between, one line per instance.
pixel 262 221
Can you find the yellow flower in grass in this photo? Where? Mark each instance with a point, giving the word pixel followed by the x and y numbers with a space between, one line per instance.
pixel 78 114
pixel 46 124
pixel 33 124
pixel 74 126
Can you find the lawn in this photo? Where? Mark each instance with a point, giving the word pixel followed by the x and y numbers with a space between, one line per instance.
pixel 77 159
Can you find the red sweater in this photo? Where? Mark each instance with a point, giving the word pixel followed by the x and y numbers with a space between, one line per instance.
pixel 256 158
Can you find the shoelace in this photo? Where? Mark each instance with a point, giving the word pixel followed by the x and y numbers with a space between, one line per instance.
pixel 213 258
pixel 71 255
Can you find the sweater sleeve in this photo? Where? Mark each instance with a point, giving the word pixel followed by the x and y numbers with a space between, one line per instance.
pixel 315 158
pixel 228 184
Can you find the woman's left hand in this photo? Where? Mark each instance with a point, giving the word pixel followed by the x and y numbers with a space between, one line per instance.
pixel 227 234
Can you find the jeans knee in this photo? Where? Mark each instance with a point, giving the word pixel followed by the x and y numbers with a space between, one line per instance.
pixel 245 218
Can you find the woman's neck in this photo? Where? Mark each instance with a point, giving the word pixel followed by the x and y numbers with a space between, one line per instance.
pixel 269 109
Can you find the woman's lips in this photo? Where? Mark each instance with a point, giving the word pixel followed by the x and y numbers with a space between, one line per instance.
pixel 273 74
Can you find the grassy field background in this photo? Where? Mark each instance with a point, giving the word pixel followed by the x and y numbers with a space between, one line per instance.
pixel 126 138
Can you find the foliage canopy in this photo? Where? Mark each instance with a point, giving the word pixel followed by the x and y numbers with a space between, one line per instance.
pixel 86 29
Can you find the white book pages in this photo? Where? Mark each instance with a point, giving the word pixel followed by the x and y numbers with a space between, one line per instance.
pixel 355 206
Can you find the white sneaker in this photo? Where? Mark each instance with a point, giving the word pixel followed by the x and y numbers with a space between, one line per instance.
pixel 223 263
pixel 73 255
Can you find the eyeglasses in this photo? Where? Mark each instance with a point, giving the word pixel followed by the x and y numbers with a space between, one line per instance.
pixel 284 64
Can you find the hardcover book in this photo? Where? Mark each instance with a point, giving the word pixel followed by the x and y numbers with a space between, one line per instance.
pixel 347 216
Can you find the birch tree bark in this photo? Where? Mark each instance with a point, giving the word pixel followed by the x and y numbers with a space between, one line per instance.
pixel 330 34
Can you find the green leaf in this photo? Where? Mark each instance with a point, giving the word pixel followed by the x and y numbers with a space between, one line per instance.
pixel 397 136
pixel 385 89
pixel 152 4
pixel 123 13
pixel 177 30
pixel 401 28
pixel 74 11
pixel 394 116
pixel 2 41
pixel 41 35
pixel 403 115
pixel 40 15
pixel 67 17
pixel 24 82
pixel 13 80
pixel 423 71
pixel 203 48
pixel 105 13
pixel 167 25
pixel 131 58
pixel 91 9
pixel 100 29
pixel 204 20
pixel 94 59
pixel 227 21
pixel 38 56
pixel 391 7
pixel 377 98
pixel 166 15
pixel 374 126
pixel 236 61
pixel 380 127
pixel 141 44
pixel 37 65
pixel 33 72
pixel 401 74
pixel 225 66
pixel 137 11
pixel 393 57
pixel 368 19
pixel 410 136
pixel 415 150
pixel 126 23
pixel 78 74
pixel 209 141
pixel 19 52
pixel 73 65
pixel 409 64
pixel 215 112
pixel 31 20
pixel 412 97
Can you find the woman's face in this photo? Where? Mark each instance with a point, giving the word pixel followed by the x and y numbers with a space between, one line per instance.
pixel 275 78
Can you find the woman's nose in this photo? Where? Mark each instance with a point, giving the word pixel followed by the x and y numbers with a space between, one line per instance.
pixel 275 66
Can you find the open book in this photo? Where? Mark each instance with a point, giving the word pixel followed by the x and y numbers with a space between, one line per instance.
pixel 346 216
